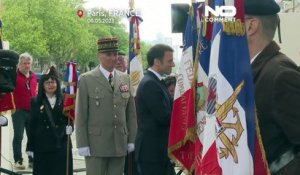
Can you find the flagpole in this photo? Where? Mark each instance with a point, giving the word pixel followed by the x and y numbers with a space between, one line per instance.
pixel 68 150
pixel 131 4
pixel 68 142
pixel 1 45
pixel 129 159
pixel 129 155
pixel 68 145
pixel 69 103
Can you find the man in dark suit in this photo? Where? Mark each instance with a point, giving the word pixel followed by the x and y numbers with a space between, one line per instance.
pixel 277 89
pixel 154 107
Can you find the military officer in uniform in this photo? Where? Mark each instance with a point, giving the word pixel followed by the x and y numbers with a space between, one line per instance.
pixel 105 114
pixel 122 63
pixel 277 89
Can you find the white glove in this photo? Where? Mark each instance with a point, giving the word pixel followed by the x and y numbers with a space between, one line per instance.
pixel 29 153
pixel 84 151
pixel 3 120
pixel 69 129
pixel 130 147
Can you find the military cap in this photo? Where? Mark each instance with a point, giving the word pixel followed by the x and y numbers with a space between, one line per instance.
pixel 108 45
pixel 261 7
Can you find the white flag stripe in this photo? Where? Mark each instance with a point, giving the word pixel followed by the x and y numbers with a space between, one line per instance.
pixel 202 76
pixel 136 66
pixel 244 166
pixel 71 78
pixel 209 128
pixel 185 73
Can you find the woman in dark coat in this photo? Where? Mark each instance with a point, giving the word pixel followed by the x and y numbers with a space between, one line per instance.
pixel 47 138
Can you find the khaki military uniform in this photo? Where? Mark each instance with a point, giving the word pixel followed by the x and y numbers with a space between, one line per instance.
pixel 105 116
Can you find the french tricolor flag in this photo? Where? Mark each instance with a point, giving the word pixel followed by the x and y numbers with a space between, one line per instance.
pixel 135 57
pixel 182 136
pixel 70 90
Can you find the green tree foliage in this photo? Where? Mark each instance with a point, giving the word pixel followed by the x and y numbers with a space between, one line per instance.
pixel 51 30
pixel 144 49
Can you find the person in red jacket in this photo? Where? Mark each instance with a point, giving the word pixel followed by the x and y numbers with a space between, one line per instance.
pixel 26 87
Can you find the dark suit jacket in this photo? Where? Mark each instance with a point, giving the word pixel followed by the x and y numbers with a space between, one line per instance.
pixel 41 137
pixel 277 98
pixel 154 107
pixel 49 147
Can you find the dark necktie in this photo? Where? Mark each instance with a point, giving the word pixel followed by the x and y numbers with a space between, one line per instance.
pixel 110 80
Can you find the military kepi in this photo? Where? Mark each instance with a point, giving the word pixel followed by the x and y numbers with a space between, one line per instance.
pixel 108 45
pixel 261 7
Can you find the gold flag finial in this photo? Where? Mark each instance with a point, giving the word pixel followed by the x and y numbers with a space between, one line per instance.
pixel 131 4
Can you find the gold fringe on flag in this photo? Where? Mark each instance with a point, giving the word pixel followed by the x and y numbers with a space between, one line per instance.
pixel 234 28
pixel 190 135
pixel 264 158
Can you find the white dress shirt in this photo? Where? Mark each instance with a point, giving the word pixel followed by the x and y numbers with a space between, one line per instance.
pixel 157 74
pixel 106 73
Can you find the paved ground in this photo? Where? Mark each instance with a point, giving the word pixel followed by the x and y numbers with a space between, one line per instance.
pixel 7 153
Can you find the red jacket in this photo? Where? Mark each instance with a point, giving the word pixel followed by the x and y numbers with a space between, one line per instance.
pixel 23 94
